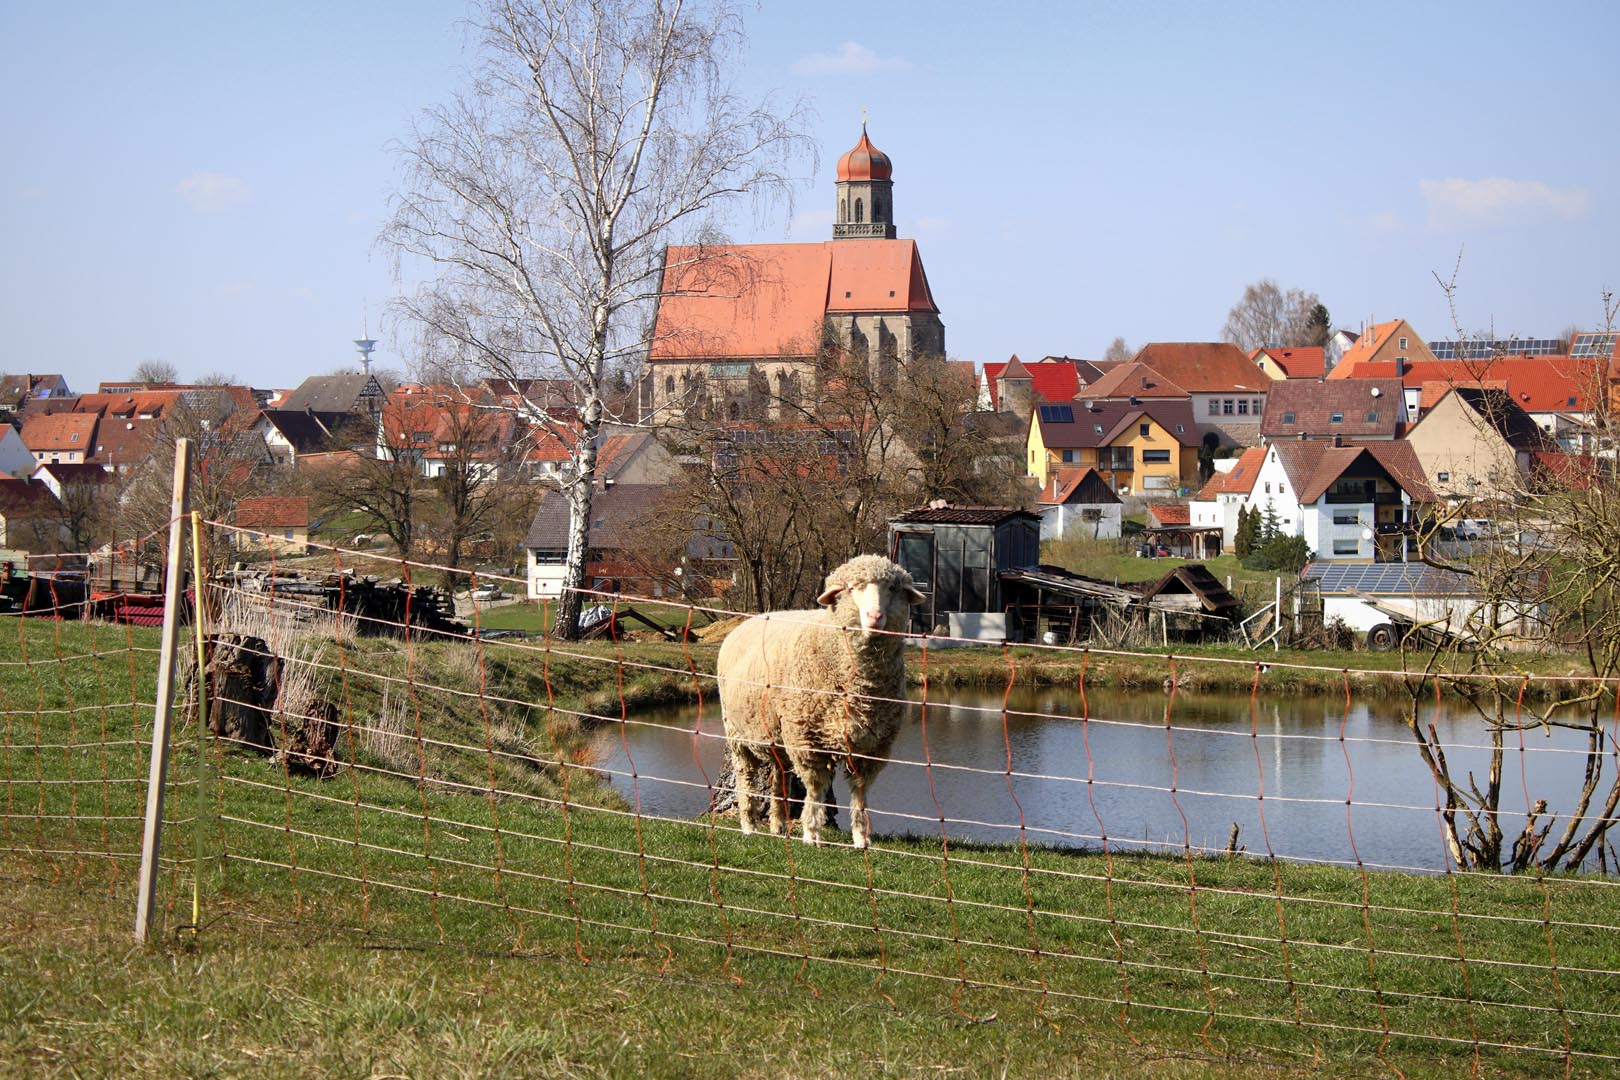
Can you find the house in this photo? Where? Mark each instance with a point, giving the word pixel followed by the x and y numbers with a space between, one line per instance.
pixel 16 459
pixel 63 478
pixel 279 524
pixel 1218 502
pixel 361 395
pixel 955 555
pixel 1051 379
pixel 17 391
pixel 1382 351
pixel 1338 343
pixel 1356 503
pixel 1078 502
pixel 1137 446
pixel 738 325
pixel 289 434
pixel 66 437
pixel 1228 390
pixel 1350 409
pixel 1293 362
pixel 1476 443
pixel 619 558
pixel 1134 380
pixel 30 517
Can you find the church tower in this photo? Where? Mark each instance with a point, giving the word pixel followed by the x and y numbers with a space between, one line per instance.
pixel 865 194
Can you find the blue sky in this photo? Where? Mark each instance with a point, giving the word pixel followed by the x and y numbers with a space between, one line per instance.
pixel 203 183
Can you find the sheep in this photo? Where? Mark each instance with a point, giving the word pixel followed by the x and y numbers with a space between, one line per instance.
pixel 797 689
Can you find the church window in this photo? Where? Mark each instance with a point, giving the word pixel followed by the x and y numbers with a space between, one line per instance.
pixel 843 210
pixel 877 209
pixel 859 214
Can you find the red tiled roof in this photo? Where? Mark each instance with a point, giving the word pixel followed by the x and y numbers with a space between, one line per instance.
pixel 1536 383
pixel 763 300
pixel 1239 479
pixel 1202 367
pixel 60 432
pixel 1312 405
pixel 1297 362
pixel 1367 343
pixel 1170 513
pixel 1134 380
pixel 1051 380
pixel 273 512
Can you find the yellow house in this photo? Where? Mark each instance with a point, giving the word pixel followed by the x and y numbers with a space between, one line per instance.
pixel 1137 447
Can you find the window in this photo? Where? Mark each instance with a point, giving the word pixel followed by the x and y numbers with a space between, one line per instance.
pixel 860 212
pixel 1243 407
pixel 1181 429
pixel 1214 407
pixel 1259 406
pixel 1372 417
pixel 1444 477
pixel 1346 517
pixel 1068 457
pixel 669 384
pixel 287 534
pixel 1145 429
pixel 75 437
pixel 1155 457
pixel 1336 418
pixel 1227 406
pixel 1403 347
pixel 1090 513
pixel 1268 487
pixel 549 556
pixel 1156 483
pixel 1347 547
pixel 1288 418
pixel 1571 403
pixel 1098 428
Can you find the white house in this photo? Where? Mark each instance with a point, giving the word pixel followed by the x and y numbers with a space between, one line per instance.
pixel 1078 502
pixel 1353 503
pixel 1225 494
pixel 15 457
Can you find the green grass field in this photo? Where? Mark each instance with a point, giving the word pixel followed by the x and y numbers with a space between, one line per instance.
pixel 464 898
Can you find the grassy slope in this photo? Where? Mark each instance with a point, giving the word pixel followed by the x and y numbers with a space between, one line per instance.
pixel 270 987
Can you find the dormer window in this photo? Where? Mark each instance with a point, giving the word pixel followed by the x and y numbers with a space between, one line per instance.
pixel 1336 418
pixel 1288 418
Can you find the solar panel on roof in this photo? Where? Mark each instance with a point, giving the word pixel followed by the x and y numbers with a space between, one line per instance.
pixel 1387 578
pixel 1486 348
pixel 1057 414
pixel 1591 346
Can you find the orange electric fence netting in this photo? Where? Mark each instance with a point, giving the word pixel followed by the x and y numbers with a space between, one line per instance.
pixel 1267 870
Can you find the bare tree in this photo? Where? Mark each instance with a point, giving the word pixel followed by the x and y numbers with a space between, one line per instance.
pixel 153 370
pixel 475 483
pixel 594 133
pixel 1118 350
pixel 386 488
pixel 1266 315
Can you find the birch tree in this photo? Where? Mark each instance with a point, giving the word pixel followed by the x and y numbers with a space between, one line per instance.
pixel 540 202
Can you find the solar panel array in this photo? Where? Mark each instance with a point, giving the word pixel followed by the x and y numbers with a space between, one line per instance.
pixel 1592 346
pixel 1485 348
pixel 1387 579
pixel 1057 414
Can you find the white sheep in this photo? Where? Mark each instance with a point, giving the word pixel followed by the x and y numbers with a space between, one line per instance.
pixel 808 689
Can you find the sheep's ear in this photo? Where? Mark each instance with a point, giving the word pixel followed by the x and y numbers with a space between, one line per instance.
pixel 829 595
pixel 916 595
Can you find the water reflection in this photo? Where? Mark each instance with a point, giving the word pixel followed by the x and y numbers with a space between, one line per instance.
pixel 1141 777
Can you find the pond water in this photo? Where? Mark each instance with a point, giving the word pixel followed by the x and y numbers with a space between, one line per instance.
pixel 1152 786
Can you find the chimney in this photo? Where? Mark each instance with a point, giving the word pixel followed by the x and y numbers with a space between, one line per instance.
pixel 1338 440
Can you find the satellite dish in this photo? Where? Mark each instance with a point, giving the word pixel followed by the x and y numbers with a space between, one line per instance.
pixel 1366 534
pixel 1377 390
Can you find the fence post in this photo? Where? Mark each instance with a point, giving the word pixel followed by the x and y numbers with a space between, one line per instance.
pixel 158 772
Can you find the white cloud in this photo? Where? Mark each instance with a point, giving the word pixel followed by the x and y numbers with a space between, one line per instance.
pixel 1495 200
pixel 851 58
pixel 210 193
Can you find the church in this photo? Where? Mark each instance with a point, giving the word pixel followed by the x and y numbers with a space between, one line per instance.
pixel 741 328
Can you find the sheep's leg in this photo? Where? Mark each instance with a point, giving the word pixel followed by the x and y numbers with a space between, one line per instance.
pixel 743 768
pixel 817 777
pixel 860 827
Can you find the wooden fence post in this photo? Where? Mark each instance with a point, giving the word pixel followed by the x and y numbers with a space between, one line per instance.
pixel 158 772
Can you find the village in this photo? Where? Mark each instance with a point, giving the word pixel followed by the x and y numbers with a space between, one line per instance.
pixel 795 404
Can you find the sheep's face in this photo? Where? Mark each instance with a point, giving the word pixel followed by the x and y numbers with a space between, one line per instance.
pixel 874 606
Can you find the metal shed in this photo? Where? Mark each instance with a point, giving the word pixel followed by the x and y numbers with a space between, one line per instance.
pixel 955 554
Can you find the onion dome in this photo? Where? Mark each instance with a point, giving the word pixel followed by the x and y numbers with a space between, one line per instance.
pixel 864 162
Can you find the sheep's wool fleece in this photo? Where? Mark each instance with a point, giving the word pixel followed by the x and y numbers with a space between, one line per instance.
pixel 773 665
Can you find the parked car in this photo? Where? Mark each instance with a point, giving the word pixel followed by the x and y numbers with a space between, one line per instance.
pixel 1471 528
pixel 488 592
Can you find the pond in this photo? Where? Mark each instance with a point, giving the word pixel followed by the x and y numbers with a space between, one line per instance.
pixel 1280 772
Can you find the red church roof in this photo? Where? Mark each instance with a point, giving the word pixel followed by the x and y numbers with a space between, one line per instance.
pixel 762 300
